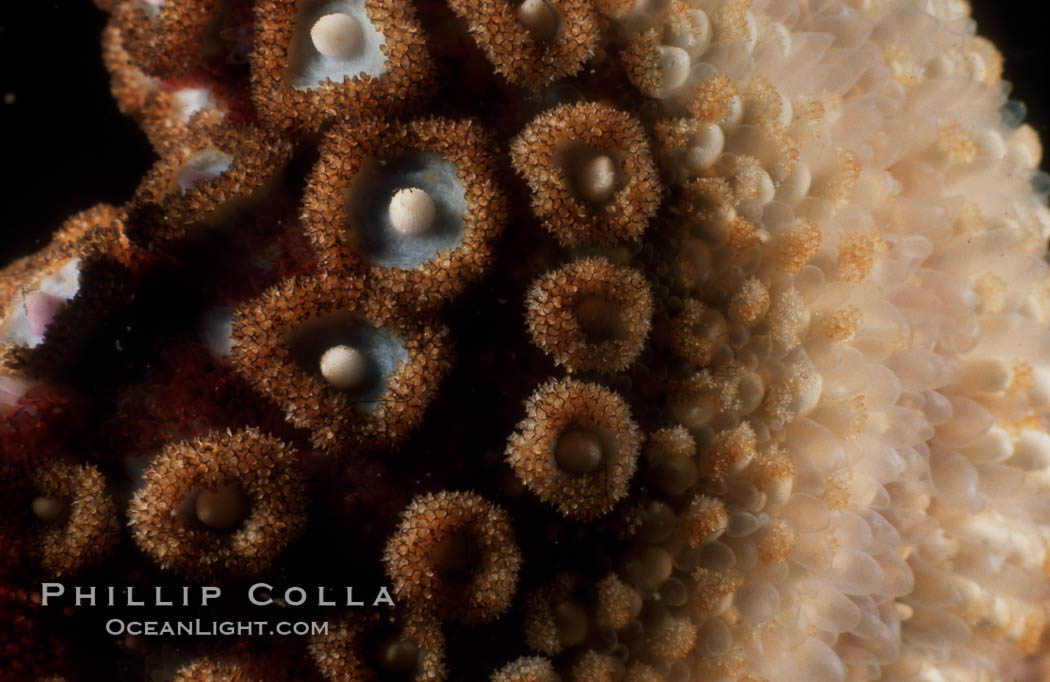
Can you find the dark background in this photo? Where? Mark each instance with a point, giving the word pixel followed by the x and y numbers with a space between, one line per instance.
pixel 66 147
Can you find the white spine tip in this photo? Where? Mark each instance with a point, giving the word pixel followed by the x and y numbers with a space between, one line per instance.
pixel 757 603
pixel 985 375
pixel 939 67
pixel 674 67
pixel 47 509
pixel 766 190
pixel 338 37
pixel 734 113
pixel 751 38
pixel 1031 450
pixel 1025 148
pixel 808 396
pixel 795 185
pixel 692 33
pixel 778 491
pixel 344 367
pixel 1039 393
pixel 786 112
pixel 412 211
pixel 540 19
pixel 978 67
pixel 992 144
pixel 994 446
pixel 596 179
pixel 782 36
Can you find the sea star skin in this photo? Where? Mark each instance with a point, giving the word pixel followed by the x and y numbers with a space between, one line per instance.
pixel 823 456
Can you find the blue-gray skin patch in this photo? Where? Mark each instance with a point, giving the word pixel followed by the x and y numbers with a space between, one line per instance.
pixel 307 68
pixel 368 206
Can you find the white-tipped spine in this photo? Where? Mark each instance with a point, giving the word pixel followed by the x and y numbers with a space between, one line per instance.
pixel 337 36
pixel 344 367
pixel 1031 450
pixel 596 179
pixel 540 19
pixel 705 148
pixel 412 211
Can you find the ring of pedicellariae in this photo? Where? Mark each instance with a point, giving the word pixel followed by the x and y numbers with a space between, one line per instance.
pixel 698 332
pixel 257 474
pixel 216 670
pixel 360 648
pixel 597 667
pixel 130 86
pixel 554 618
pixel 577 447
pixel 216 166
pixel 527 669
pixel 568 153
pixel 451 256
pixel 534 42
pixel 167 39
pixel 590 315
pixel 416 352
pixel 670 456
pixel 655 69
pixel 401 84
pixel 454 555
pixel 168 117
pixel 62 511
pixel 165 108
